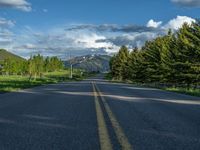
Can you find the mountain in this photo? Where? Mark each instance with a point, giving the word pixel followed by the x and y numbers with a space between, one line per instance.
pixel 5 55
pixel 90 63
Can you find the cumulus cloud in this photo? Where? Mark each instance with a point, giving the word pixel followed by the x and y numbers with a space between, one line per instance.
pixel 187 3
pixel 132 40
pixel 153 23
pixel 58 42
pixel 173 24
pixel 17 4
pixel 86 39
pixel 178 22
pixel 89 41
pixel 80 41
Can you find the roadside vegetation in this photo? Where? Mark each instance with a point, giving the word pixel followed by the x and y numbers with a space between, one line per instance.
pixel 17 82
pixel 190 91
pixel 172 61
pixel 19 73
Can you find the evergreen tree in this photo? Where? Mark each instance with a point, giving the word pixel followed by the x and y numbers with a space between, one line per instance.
pixel 174 59
pixel 152 60
pixel 120 63
pixel 137 66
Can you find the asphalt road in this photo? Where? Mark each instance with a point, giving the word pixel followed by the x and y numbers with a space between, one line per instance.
pixel 95 114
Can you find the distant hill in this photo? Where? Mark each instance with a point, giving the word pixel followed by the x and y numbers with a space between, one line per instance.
pixel 90 63
pixel 5 55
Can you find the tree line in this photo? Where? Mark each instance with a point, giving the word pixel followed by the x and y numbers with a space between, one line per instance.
pixel 172 59
pixel 35 66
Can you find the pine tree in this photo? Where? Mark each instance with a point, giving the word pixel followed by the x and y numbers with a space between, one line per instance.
pixel 174 59
pixel 152 57
pixel 119 63
pixel 137 66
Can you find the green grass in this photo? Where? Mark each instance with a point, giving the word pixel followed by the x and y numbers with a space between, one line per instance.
pixel 182 90
pixel 108 76
pixel 15 82
pixel 191 91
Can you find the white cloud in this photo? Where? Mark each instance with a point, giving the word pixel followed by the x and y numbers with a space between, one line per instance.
pixel 89 41
pixel 6 35
pixel 178 22
pixel 84 39
pixel 131 40
pixel 29 46
pixel 17 4
pixel 187 3
pixel 6 23
pixel 173 24
pixel 58 42
pixel 153 23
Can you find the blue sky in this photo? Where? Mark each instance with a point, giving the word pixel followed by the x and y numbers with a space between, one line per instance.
pixel 90 26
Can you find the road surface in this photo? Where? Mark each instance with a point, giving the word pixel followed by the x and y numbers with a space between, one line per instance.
pixel 94 114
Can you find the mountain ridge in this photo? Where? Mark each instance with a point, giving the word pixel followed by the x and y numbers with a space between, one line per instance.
pixel 90 63
pixel 4 54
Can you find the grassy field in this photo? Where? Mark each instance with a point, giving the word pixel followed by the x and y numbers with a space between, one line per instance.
pixel 15 82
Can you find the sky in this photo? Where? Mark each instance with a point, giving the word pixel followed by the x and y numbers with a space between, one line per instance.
pixel 76 27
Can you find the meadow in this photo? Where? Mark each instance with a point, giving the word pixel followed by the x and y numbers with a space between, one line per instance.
pixel 10 83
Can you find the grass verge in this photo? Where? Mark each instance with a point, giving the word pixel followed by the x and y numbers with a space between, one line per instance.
pixel 182 90
pixel 15 82
pixel 191 91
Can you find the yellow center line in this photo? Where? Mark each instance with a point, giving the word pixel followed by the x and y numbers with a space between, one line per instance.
pixel 105 142
pixel 123 140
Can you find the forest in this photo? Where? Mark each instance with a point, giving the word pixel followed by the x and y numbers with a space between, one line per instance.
pixel 17 73
pixel 35 66
pixel 173 59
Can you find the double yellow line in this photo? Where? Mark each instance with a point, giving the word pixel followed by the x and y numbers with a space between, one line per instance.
pixel 105 141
